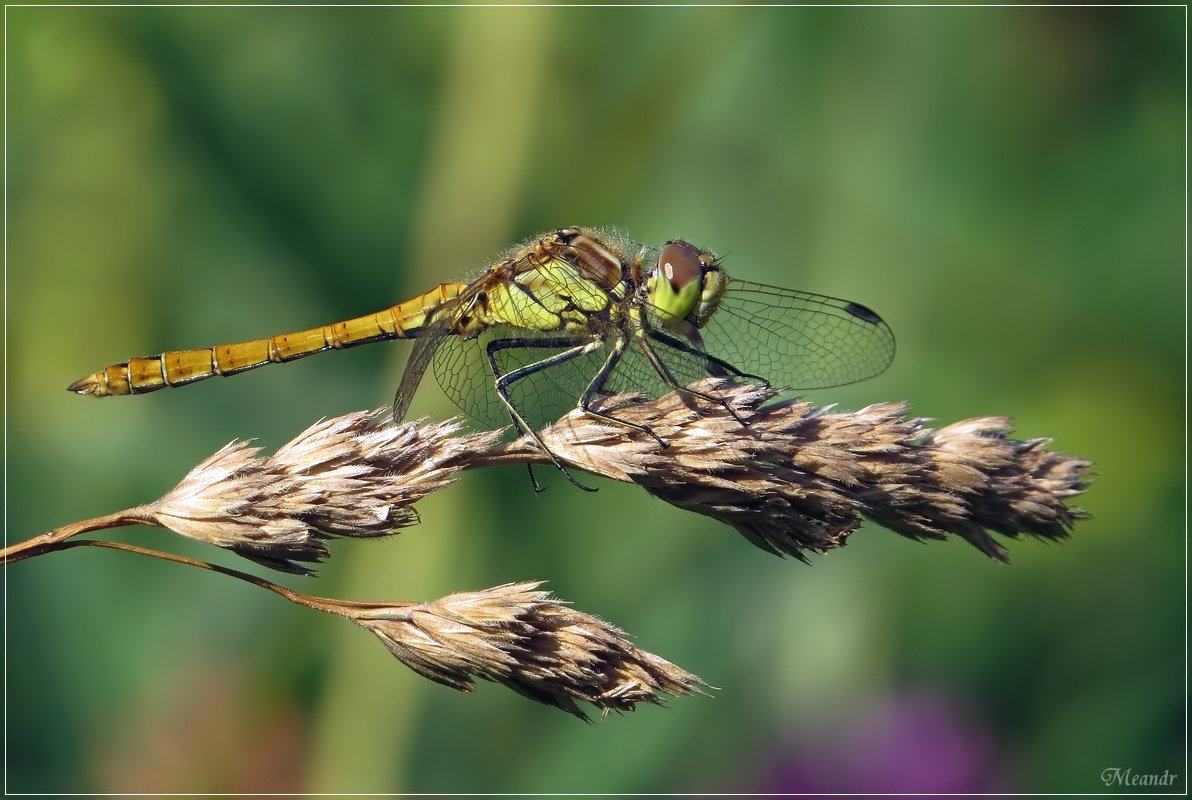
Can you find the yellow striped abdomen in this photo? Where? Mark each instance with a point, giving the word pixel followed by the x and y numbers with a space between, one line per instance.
pixel 180 367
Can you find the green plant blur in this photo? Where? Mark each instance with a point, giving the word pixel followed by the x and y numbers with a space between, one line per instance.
pixel 1004 185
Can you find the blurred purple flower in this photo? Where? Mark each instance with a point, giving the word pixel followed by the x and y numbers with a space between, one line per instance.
pixel 916 742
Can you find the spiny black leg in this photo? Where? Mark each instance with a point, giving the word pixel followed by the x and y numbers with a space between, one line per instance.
pixel 596 386
pixel 492 363
pixel 577 347
pixel 726 366
pixel 669 378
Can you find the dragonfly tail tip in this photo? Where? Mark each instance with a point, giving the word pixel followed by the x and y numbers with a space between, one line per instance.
pixel 89 385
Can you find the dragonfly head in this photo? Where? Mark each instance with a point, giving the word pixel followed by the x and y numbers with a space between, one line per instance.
pixel 685 284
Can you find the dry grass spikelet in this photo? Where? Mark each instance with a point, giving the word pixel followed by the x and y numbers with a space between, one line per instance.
pixel 347 476
pixel 792 477
pixel 517 635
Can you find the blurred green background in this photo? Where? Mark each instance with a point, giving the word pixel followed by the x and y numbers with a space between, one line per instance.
pixel 1004 185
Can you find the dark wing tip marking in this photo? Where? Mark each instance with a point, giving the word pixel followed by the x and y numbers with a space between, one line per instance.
pixel 863 313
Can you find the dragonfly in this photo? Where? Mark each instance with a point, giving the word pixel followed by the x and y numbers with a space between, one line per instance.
pixel 565 320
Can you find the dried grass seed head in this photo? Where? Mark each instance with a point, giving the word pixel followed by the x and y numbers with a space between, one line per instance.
pixel 517 635
pixel 348 476
pixel 794 477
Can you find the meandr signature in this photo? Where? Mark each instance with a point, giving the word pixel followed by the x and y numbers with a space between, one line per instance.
pixel 1127 777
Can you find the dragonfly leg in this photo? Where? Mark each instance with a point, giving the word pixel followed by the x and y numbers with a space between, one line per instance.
pixel 576 348
pixel 596 386
pixel 724 368
pixel 669 377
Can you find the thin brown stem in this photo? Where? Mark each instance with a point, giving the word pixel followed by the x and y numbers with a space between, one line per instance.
pixel 53 540
pixel 310 601
pixel 514 634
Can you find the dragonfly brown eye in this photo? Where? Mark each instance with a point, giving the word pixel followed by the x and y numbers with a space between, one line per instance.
pixel 680 264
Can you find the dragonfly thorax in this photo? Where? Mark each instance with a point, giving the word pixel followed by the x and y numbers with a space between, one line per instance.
pixel 684 286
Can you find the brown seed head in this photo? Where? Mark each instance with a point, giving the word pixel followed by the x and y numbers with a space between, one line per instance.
pixel 791 477
pixel 517 635
pixel 340 477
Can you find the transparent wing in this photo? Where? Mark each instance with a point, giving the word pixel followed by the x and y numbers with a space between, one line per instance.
pixel 411 376
pixel 534 292
pixel 463 370
pixel 636 374
pixel 796 339
pixel 528 290
pixel 545 395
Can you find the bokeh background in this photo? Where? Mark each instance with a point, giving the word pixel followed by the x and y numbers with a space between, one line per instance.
pixel 1004 185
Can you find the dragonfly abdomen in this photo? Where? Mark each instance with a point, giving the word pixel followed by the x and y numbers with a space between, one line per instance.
pixel 180 367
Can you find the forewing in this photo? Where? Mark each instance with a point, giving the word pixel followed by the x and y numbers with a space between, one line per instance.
pixel 797 339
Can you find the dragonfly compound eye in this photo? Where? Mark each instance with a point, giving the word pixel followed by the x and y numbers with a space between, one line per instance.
pixel 678 279
pixel 679 263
